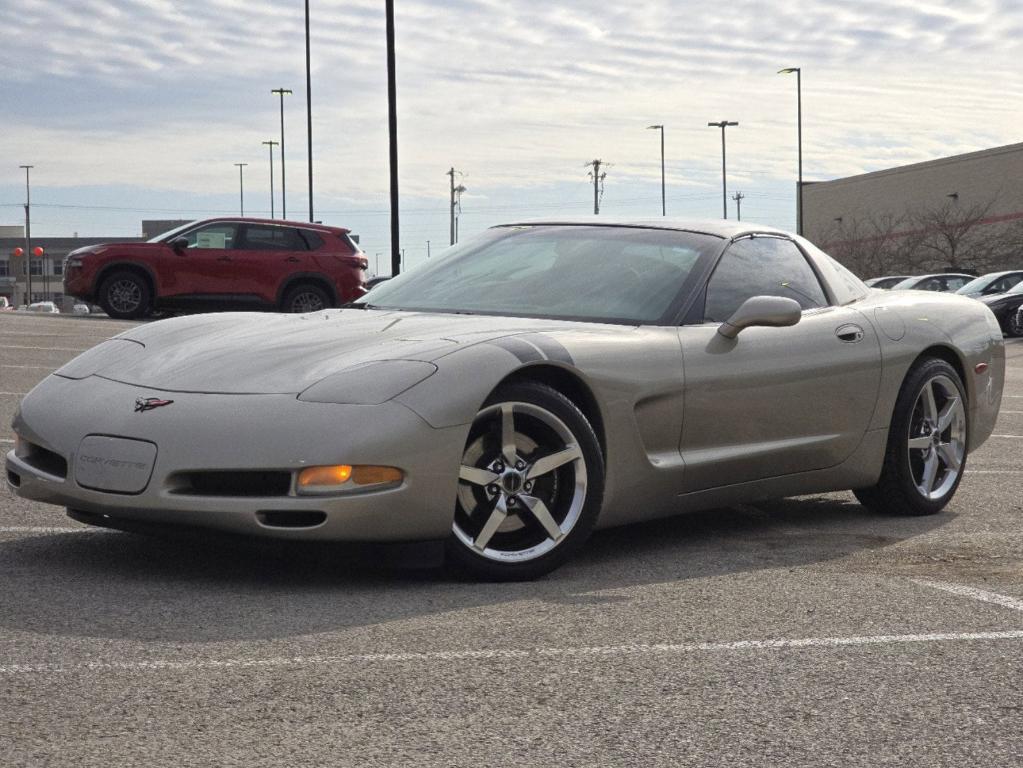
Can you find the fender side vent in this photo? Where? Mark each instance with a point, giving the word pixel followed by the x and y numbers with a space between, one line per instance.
pixel 290 519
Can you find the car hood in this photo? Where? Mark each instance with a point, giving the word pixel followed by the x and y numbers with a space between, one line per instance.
pixel 260 353
pixel 997 298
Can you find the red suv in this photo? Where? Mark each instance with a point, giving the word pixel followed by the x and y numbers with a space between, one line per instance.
pixel 257 263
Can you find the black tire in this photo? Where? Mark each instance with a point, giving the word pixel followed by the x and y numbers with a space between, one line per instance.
pixel 305 297
pixel 1014 324
pixel 125 295
pixel 549 431
pixel 899 491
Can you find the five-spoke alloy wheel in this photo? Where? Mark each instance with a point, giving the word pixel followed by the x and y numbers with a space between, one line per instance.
pixel 530 485
pixel 927 444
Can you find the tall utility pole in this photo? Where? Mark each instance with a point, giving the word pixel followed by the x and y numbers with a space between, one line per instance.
pixel 271 144
pixel 392 130
pixel 241 188
pixel 28 236
pixel 722 124
pixel 284 189
pixel 309 109
pixel 427 249
pixel 661 129
pixel 598 183
pixel 799 139
pixel 738 198
pixel 454 201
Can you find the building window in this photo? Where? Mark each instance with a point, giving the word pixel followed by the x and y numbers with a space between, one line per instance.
pixel 35 267
pixel 4 268
pixel 58 268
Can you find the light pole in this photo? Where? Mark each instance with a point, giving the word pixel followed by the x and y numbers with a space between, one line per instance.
pixel 271 144
pixel 661 129
pixel 284 189
pixel 241 188
pixel 799 139
pixel 392 130
pixel 28 236
pixel 722 124
pixel 309 110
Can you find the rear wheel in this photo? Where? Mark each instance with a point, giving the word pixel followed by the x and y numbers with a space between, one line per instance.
pixel 927 441
pixel 530 485
pixel 125 295
pixel 305 297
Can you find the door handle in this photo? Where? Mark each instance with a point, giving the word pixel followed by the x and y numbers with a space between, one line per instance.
pixel 850 333
pixel 292 259
pixel 223 258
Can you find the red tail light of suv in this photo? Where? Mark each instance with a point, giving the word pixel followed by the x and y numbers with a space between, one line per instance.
pixel 217 263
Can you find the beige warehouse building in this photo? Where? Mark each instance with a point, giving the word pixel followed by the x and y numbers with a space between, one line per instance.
pixel 963 212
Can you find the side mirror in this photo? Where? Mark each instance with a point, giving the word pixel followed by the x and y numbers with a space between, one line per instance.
pixel 179 243
pixel 772 311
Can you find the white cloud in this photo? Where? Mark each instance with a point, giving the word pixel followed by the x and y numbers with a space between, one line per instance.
pixel 519 94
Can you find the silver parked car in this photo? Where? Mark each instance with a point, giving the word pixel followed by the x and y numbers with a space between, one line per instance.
pixel 941 282
pixel 534 383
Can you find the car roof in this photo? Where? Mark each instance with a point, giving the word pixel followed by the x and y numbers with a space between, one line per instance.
pixel 723 228
pixel 278 222
pixel 942 274
pixel 996 275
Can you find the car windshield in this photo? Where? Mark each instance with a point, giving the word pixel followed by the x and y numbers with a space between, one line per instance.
pixel 909 282
pixel 164 236
pixel 1017 288
pixel 977 284
pixel 598 273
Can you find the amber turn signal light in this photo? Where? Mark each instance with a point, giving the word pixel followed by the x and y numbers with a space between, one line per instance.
pixel 341 477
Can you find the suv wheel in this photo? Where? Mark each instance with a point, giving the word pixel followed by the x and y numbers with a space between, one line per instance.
pixel 305 297
pixel 125 295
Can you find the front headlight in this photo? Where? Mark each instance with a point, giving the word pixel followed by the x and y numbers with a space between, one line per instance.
pixel 369 384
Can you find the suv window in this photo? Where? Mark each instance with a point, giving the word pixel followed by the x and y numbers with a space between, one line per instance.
pixel 268 238
pixel 761 266
pixel 312 239
pixel 219 236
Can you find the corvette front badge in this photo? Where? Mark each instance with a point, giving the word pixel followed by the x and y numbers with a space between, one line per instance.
pixel 149 403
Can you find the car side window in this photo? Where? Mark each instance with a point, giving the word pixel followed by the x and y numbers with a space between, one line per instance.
pixel 268 238
pixel 954 283
pixel 216 236
pixel 761 266
pixel 312 240
pixel 930 284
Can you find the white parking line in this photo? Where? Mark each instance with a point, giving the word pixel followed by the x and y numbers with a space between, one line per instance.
pixel 1014 437
pixel 972 592
pixel 502 654
pixel 1010 411
pixel 19 394
pixel 50 349
pixel 44 529
pixel 50 368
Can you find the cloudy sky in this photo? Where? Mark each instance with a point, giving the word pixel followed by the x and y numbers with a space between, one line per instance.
pixel 133 109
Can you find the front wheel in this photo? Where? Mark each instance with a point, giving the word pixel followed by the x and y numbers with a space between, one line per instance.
pixel 927 441
pixel 125 296
pixel 530 485
pixel 1014 325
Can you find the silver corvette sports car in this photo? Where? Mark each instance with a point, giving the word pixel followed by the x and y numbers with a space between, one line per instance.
pixel 529 385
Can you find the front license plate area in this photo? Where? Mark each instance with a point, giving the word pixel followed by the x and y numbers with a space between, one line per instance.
pixel 114 464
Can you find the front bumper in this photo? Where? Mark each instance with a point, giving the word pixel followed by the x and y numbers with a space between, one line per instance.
pixel 207 432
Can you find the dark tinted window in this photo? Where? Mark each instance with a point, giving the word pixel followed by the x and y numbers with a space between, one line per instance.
pixel 312 240
pixel 761 266
pixel 267 238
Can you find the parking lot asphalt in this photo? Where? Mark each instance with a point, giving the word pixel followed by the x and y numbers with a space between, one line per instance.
pixel 804 631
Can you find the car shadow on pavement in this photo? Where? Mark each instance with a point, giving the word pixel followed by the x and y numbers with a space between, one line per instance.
pixel 115 585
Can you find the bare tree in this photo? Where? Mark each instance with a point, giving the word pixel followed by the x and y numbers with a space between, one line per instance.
pixel 876 244
pixel 954 236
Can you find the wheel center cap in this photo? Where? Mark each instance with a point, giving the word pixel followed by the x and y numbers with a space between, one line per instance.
pixel 512 481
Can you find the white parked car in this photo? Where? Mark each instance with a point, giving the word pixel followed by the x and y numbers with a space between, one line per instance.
pixel 80 309
pixel 44 306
